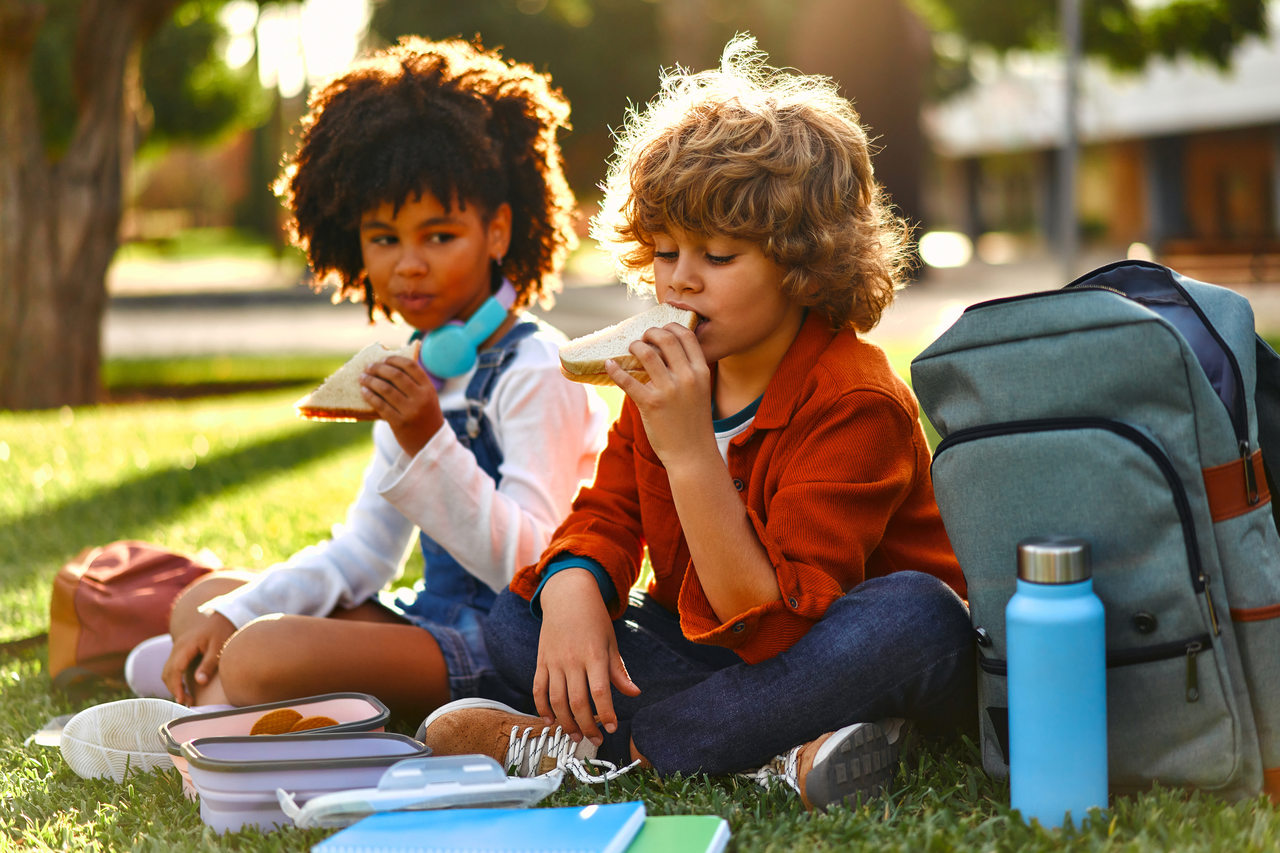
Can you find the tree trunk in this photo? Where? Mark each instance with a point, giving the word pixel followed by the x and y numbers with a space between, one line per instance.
pixel 59 220
pixel 878 50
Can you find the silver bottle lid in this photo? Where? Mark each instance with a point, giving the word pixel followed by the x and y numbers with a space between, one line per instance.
pixel 1053 559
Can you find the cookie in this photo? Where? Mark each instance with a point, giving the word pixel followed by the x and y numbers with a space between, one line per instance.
pixel 316 722
pixel 276 722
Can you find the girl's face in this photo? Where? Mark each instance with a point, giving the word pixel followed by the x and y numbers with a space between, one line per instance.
pixel 428 263
pixel 747 320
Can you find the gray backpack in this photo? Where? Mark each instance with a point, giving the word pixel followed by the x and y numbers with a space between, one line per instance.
pixel 1122 410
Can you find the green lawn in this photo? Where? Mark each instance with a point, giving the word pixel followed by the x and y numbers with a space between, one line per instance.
pixel 240 475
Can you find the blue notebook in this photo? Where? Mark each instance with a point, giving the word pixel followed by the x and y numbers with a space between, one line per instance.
pixel 606 828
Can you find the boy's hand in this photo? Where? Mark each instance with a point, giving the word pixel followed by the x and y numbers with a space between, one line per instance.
pixel 675 404
pixel 578 658
pixel 205 641
pixel 400 391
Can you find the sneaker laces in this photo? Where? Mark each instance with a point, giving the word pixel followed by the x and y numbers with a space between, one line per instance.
pixel 784 767
pixel 527 755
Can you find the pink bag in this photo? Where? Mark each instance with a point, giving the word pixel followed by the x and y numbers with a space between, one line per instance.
pixel 106 601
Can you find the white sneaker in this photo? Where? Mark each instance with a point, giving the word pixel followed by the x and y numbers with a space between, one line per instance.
pixel 144 665
pixel 523 744
pixel 855 762
pixel 108 740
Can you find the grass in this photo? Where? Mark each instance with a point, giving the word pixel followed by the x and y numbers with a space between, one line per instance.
pixel 240 475
pixel 201 244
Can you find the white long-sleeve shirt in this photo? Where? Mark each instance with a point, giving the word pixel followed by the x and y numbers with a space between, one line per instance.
pixel 550 431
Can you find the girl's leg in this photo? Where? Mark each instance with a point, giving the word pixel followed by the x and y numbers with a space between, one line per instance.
pixel 896 646
pixel 286 657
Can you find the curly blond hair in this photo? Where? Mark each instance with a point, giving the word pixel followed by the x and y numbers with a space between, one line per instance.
pixel 449 118
pixel 761 154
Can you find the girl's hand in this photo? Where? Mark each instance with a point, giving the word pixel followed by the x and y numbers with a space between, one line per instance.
pixel 401 393
pixel 675 404
pixel 204 641
pixel 578 658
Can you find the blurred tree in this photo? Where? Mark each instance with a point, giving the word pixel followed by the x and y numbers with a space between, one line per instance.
pixel 602 53
pixel 1125 33
pixel 78 93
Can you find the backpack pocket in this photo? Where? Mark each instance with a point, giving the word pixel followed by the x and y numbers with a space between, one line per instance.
pixel 1172 709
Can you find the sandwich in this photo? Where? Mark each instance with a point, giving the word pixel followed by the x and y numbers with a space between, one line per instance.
pixel 338 398
pixel 582 359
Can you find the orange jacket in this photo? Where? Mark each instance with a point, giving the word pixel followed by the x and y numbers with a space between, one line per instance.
pixel 835 475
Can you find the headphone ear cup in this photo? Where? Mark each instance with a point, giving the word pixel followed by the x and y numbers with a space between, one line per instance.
pixel 448 351
pixel 451 350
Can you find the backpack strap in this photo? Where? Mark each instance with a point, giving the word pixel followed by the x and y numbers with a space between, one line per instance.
pixel 1266 401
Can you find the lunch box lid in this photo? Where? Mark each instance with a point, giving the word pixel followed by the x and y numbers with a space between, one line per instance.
pixel 302 751
pixel 378 717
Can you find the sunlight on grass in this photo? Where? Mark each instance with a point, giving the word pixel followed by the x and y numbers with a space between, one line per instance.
pixel 215 370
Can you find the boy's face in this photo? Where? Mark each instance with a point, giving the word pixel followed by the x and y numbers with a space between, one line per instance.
pixel 428 263
pixel 735 288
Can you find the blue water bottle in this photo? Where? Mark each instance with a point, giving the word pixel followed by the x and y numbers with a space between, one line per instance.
pixel 1057 684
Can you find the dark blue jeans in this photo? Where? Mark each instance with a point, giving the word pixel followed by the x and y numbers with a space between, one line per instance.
pixel 895 646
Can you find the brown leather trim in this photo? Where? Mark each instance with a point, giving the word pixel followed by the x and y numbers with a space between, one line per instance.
pixel 1255 614
pixel 1224 486
pixel 1271 783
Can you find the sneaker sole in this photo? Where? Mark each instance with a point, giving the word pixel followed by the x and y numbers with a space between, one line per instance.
pixel 110 739
pixel 859 767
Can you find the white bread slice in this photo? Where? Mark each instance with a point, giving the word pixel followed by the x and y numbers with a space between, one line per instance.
pixel 582 359
pixel 338 398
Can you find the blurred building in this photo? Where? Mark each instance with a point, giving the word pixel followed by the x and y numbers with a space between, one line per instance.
pixel 1182 158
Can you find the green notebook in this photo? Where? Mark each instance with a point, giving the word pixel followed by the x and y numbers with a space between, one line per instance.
pixel 681 833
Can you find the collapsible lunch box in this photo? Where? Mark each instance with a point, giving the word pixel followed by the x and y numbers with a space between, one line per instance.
pixel 354 712
pixel 237 777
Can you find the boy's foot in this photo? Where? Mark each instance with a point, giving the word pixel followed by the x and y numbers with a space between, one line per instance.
pixel 144 665
pixel 523 744
pixel 857 761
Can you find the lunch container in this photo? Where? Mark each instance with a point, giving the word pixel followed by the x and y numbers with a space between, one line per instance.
pixel 355 712
pixel 236 777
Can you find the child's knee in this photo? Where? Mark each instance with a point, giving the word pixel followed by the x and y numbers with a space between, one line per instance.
pixel 249 666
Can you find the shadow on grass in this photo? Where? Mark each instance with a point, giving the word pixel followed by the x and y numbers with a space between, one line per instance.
pixel 32 543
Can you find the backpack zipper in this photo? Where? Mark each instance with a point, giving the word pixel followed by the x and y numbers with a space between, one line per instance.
pixel 1199 581
pixel 1239 414
pixel 1190 647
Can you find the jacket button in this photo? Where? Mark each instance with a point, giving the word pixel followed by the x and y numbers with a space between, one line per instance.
pixel 738 484
pixel 794 604
pixel 739 628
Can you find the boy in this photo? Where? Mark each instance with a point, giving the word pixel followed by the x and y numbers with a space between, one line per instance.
pixel 804 594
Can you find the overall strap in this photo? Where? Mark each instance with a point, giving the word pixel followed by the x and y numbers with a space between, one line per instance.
pixel 493 361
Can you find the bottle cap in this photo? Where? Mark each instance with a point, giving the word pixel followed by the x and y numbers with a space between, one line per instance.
pixel 1053 559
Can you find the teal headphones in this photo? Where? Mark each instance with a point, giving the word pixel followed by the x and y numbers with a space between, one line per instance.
pixel 451 350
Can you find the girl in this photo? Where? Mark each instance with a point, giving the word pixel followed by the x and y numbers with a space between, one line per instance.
pixel 428 182
pixel 804 596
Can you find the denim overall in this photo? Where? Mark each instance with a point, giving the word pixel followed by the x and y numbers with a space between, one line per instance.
pixel 450 602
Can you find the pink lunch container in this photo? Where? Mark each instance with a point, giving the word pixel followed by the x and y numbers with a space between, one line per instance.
pixel 355 712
